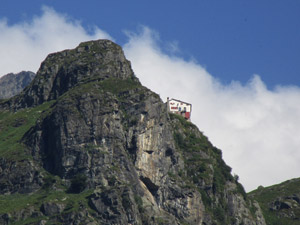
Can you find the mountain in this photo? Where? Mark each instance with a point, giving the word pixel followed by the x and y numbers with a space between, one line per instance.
pixel 12 84
pixel 86 143
pixel 280 203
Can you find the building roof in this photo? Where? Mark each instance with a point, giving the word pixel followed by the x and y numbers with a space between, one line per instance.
pixel 179 101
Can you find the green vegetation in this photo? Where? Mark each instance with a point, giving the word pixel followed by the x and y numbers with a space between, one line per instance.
pixel 13 126
pixel 286 192
pixel 96 86
pixel 49 181
pixel 240 189
pixel 139 201
pixel 199 154
pixel 30 220
pixel 54 190
pixel 117 86
pixel 219 214
pixel 126 203
pixel 204 164
pixel 16 202
pixel 161 220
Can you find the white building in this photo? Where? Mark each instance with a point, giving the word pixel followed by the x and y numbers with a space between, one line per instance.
pixel 179 107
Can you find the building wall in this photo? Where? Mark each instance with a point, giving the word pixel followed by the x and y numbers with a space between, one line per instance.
pixel 181 108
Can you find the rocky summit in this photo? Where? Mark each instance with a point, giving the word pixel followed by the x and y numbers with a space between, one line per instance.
pixel 86 143
pixel 12 84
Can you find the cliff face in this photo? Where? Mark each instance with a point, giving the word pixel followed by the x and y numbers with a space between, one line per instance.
pixel 93 146
pixel 12 84
pixel 280 203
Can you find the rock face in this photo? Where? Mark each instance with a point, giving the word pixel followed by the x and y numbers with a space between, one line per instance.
pixel 12 84
pixel 280 203
pixel 100 148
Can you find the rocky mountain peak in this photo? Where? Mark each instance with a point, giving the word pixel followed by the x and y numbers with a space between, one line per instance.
pixel 12 84
pixel 61 71
pixel 87 143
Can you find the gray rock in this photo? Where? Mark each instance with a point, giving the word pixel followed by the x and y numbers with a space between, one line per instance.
pixel 19 176
pixel 12 84
pixel 5 218
pixel 60 72
pixel 147 167
pixel 52 208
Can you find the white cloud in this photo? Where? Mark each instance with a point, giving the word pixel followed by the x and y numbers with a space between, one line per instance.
pixel 257 129
pixel 25 45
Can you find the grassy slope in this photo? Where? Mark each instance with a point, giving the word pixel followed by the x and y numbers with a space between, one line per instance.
pixel 17 202
pixel 12 128
pixel 265 196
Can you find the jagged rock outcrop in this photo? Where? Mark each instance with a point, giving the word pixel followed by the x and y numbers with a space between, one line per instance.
pixel 63 70
pixel 12 84
pixel 97 134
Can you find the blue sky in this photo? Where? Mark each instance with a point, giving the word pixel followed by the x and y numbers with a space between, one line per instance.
pixel 237 62
pixel 232 39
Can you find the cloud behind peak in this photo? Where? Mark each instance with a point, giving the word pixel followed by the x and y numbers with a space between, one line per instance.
pixel 25 44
